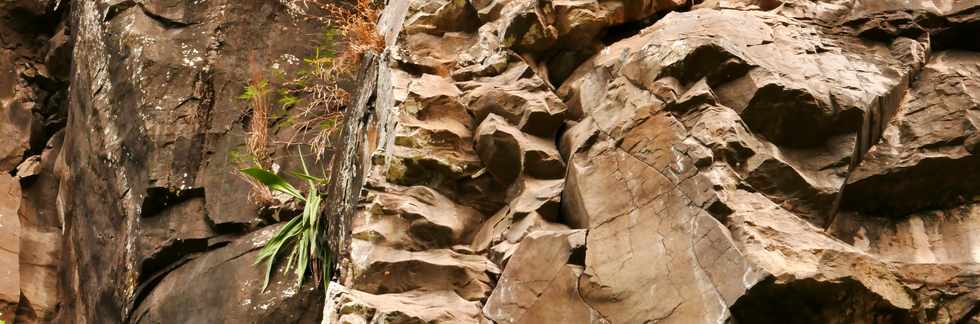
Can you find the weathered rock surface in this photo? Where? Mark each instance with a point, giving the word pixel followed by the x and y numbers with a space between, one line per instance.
pixel 223 285
pixel 346 306
pixel 729 163
pixel 542 286
pixel 155 221
pixel 510 161
pixel 34 61
pixel 10 249
pixel 933 143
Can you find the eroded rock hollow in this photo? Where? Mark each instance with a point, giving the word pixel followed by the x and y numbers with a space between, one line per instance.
pixel 500 161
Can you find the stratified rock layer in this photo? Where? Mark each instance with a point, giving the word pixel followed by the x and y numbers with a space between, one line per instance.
pixel 653 161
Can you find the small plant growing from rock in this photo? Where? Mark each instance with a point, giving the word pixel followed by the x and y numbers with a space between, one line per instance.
pixel 300 235
pixel 318 89
pixel 318 92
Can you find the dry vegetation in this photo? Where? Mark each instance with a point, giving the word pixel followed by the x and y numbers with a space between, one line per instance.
pixel 354 29
pixel 318 97
pixel 316 93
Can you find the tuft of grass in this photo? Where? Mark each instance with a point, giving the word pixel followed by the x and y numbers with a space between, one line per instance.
pixel 257 94
pixel 300 236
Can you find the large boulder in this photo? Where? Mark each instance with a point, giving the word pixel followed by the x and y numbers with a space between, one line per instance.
pixel 679 150
pixel 224 285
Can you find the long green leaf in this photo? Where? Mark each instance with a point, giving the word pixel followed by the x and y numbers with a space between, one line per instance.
pixel 307 177
pixel 303 259
pixel 272 248
pixel 300 235
pixel 273 181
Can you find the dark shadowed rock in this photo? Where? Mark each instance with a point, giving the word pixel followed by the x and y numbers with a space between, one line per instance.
pixel 155 134
pixel 224 285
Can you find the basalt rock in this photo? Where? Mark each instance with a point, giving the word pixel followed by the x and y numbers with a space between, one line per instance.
pixel 10 250
pixel 705 157
pixel 348 306
pixel 719 164
pixel 502 161
pixel 158 226
pixel 222 285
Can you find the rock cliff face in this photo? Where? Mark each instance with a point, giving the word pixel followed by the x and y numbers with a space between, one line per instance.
pixel 121 121
pixel 503 161
pixel 670 161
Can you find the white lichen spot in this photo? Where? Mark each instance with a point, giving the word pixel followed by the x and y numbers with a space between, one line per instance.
pixel 290 59
pixel 191 56
pixel 295 7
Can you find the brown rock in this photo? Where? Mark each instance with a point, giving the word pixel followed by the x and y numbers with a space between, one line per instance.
pixel 15 125
pixel 415 218
pixel 527 103
pixel 678 156
pixel 435 54
pixel 440 16
pixel 40 271
pixel 349 306
pixel 223 285
pixel 432 140
pixel 30 167
pixel 930 144
pixel 540 284
pixel 41 262
pixel 928 237
pixel 534 207
pixel 509 153
pixel 381 270
pixel 638 225
pixel 10 247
